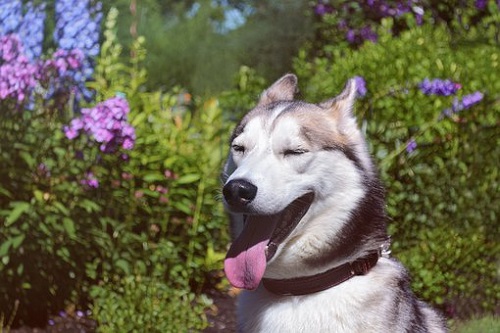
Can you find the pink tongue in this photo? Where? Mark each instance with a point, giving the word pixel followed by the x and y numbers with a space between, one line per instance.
pixel 245 262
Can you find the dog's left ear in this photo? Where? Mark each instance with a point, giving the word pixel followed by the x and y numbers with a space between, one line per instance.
pixel 282 90
pixel 340 107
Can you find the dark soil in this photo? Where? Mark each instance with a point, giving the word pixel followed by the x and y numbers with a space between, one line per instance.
pixel 68 324
pixel 222 318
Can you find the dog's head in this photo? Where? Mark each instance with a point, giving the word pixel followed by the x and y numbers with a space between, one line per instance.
pixel 296 172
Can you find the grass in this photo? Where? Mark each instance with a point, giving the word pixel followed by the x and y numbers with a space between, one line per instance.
pixel 487 324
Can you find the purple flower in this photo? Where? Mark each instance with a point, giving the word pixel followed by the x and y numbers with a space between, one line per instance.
pixel 367 33
pixel 17 74
pixel 128 144
pixel 90 180
pixel 322 9
pixel 78 28
pixel 360 86
pixel 106 123
pixel 70 133
pixel 481 4
pixel 439 87
pixel 465 103
pixel 350 35
pixel 411 146
pixel 471 99
pixel 10 48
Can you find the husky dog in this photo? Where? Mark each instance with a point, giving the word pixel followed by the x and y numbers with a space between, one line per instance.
pixel 312 248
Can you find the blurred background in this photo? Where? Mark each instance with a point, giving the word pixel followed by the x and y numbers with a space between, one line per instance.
pixel 114 122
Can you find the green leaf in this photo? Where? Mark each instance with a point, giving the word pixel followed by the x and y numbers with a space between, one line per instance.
pixel 69 226
pixel 17 241
pixel 30 161
pixel 90 206
pixel 151 177
pixel 61 208
pixel 4 248
pixel 5 192
pixel 19 208
pixel 121 263
pixel 38 195
pixel 187 179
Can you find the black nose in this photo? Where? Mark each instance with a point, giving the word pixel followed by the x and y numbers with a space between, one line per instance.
pixel 239 192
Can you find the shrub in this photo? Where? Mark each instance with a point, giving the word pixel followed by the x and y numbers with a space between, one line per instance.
pixel 351 23
pixel 83 204
pixel 137 303
pixel 437 154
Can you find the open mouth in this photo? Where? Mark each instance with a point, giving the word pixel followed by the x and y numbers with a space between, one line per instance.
pixel 247 257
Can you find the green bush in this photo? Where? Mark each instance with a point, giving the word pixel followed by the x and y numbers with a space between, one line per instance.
pixel 137 303
pixel 59 237
pixel 142 304
pixel 442 196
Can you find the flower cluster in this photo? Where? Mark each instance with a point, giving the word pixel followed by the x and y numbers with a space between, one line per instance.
pixel 373 10
pixel 78 27
pixel 10 16
pixel 322 8
pixel 106 123
pixel 19 76
pixel 446 88
pixel 466 102
pixel 439 87
pixel 62 72
pixel 31 30
pixel 29 27
pixel 17 73
pixel 365 33
pixel 77 35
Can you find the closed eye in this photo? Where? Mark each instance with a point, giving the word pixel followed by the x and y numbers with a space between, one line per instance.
pixel 238 148
pixel 294 152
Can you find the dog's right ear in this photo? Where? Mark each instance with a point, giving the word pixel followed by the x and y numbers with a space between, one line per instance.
pixel 282 90
pixel 340 107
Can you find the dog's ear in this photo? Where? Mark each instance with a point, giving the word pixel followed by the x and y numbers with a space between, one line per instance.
pixel 340 107
pixel 282 90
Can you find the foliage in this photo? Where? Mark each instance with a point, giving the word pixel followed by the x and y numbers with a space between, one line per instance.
pixel 247 88
pixel 351 23
pixel 441 196
pixel 200 45
pixel 136 303
pixel 74 215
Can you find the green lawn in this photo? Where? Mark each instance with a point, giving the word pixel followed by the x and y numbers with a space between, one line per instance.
pixel 482 325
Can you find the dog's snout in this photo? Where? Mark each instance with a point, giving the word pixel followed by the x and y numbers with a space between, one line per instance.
pixel 239 192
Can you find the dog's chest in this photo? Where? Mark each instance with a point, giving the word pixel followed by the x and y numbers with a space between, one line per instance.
pixel 351 307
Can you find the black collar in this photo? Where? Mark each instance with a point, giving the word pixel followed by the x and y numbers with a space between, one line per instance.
pixel 322 281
